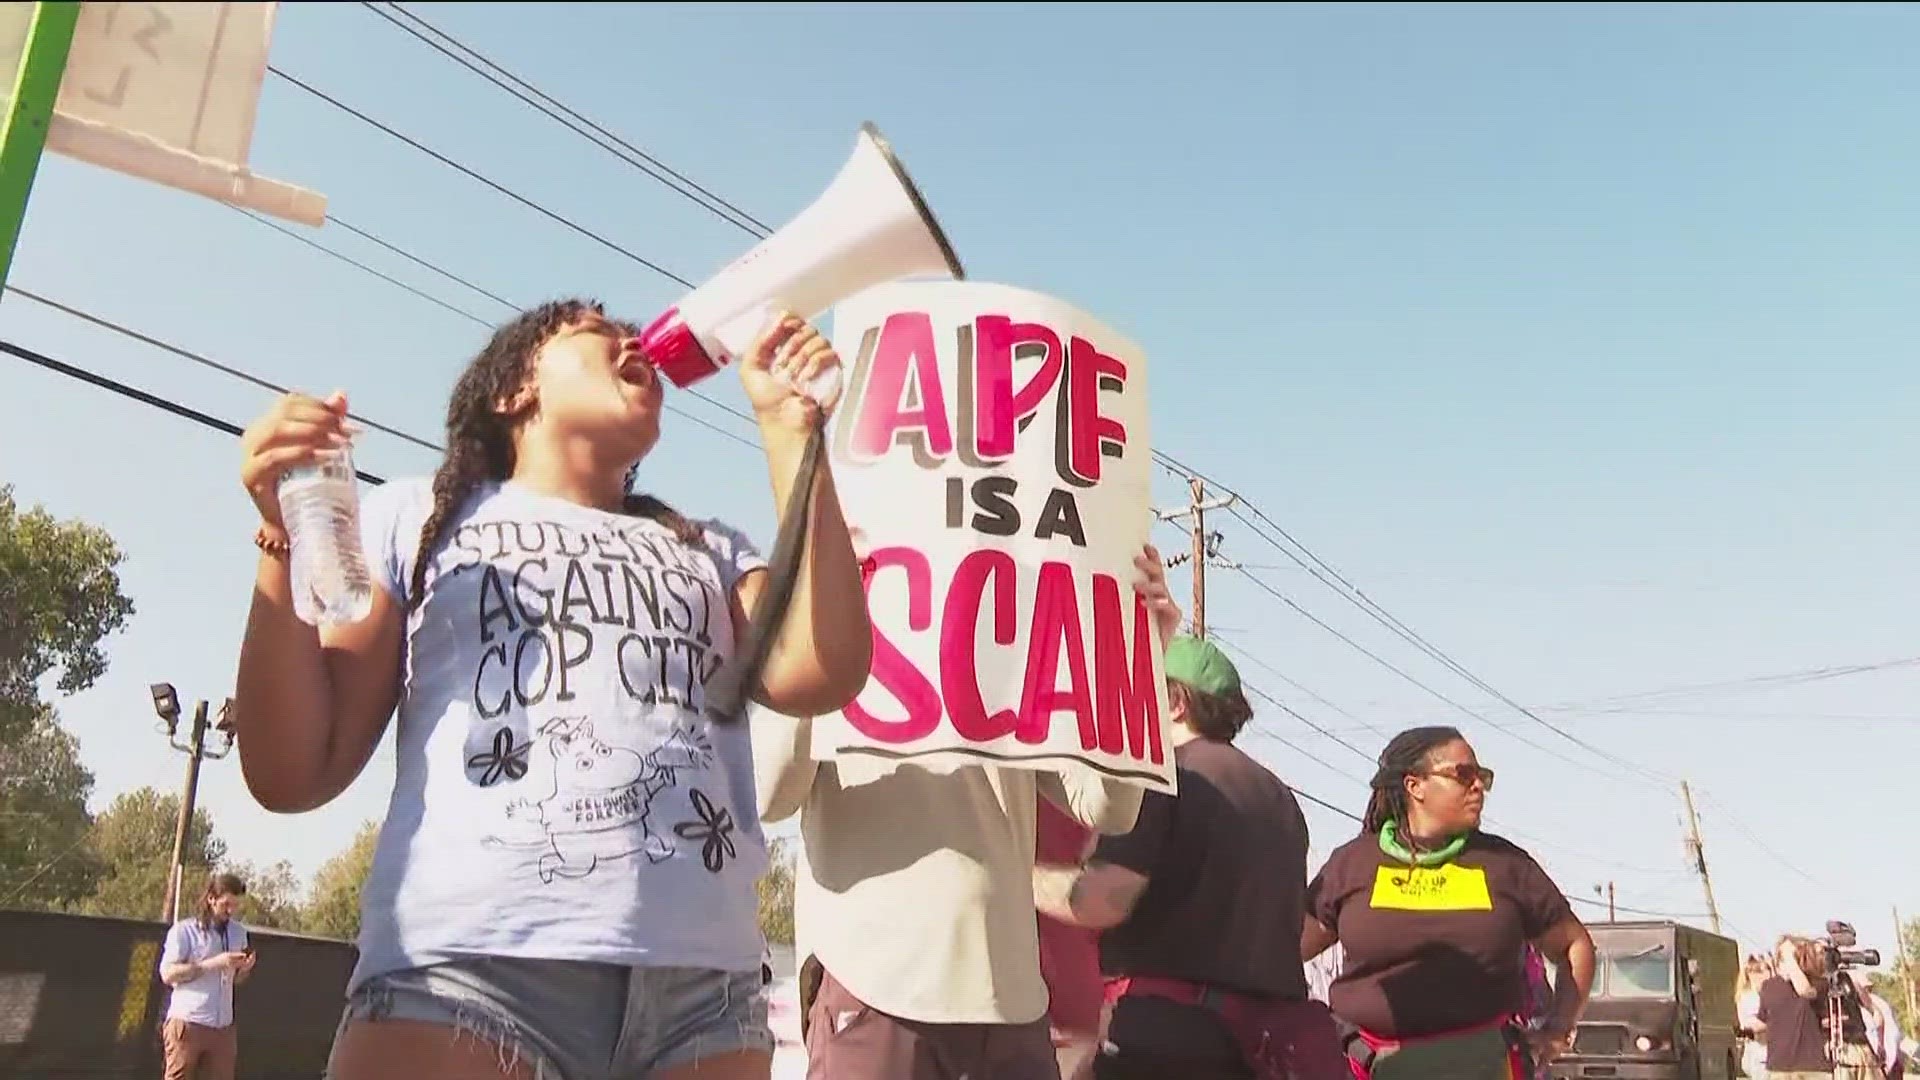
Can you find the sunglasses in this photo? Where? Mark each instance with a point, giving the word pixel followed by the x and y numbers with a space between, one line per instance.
pixel 1465 775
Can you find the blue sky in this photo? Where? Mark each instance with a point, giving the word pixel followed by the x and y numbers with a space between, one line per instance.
pixel 1579 337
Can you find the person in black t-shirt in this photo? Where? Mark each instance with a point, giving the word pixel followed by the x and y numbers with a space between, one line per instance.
pixel 1793 1006
pixel 1201 906
pixel 1434 915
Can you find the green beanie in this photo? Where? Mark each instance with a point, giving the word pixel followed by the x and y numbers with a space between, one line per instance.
pixel 1200 664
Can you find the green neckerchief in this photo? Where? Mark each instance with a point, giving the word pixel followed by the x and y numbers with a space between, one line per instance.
pixel 1390 844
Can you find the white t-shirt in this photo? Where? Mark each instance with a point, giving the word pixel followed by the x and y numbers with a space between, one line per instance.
pixel 560 791
pixel 208 999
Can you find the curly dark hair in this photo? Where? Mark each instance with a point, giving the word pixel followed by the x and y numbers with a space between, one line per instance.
pixel 1406 753
pixel 480 440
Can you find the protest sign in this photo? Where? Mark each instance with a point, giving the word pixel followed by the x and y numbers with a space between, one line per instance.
pixel 168 92
pixel 991 451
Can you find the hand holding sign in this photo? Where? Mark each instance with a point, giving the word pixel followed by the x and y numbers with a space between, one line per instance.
pixel 1166 612
pixel 991 449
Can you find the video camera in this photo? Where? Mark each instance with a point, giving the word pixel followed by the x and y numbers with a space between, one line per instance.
pixel 1839 949
pixel 1845 1023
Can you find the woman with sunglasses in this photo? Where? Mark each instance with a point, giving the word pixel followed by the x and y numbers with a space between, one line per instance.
pixel 1434 916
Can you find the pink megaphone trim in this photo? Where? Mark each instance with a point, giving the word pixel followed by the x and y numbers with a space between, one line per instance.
pixel 669 344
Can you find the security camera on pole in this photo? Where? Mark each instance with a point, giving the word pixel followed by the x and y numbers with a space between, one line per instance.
pixel 166 703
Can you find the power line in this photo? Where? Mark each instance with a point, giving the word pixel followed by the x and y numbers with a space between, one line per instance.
pixel 1321 570
pixel 450 275
pixel 417 260
pixel 1285 708
pixel 388 278
pixel 187 354
pixel 1756 682
pixel 1390 666
pixel 1289 680
pixel 478 63
pixel 472 174
pixel 142 396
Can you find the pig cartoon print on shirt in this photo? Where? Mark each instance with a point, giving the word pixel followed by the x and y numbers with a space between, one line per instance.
pixel 600 806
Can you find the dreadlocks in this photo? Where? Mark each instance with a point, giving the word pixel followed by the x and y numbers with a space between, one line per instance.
pixel 480 440
pixel 1406 753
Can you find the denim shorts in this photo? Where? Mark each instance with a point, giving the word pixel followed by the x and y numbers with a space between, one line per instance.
pixel 574 1020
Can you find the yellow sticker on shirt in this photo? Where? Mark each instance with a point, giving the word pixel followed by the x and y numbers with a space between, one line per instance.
pixel 1431 888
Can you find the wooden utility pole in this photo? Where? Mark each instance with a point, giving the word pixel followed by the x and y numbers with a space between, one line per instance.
pixel 1906 964
pixel 1196 511
pixel 1610 915
pixel 1698 852
pixel 1198 493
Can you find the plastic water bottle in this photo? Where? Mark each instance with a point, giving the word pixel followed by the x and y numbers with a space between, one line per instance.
pixel 320 504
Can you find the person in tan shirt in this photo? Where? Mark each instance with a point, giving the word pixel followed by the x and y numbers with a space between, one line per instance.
pixel 914 896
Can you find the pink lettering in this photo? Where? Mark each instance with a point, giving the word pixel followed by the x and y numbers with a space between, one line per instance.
pixel 1001 408
pixel 904 356
pixel 891 669
pixel 1056 628
pixel 1128 703
pixel 959 675
pixel 1083 434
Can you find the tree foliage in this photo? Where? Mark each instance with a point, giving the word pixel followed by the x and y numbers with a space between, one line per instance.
pixel 272 900
pixel 44 823
pixel 133 839
pixel 776 895
pixel 333 905
pixel 59 598
pixel 1893 981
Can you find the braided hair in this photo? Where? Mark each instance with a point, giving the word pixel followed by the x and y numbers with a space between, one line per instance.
pixel 1405 754
pixel 480 440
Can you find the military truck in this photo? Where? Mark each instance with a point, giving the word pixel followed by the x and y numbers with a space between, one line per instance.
pixel 1662 1006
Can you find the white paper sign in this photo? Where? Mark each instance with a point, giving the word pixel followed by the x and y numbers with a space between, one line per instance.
pixel 167 92
pixel 991 453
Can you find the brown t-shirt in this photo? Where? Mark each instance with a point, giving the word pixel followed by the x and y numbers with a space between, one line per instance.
pixel 1226 866
pixel 1796 1028
pixel 1432 949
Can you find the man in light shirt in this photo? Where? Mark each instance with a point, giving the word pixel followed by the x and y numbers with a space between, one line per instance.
pixel 913 895
pixel 205 957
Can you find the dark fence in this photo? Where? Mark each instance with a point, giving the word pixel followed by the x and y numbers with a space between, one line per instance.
pixel 81 998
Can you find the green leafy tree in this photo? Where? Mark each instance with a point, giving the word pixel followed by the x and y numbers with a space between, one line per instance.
pixel 333 907
pixel 776 895
pixel 59 597
pixel 1893 983
pixel 273 895
pixel 133 839
pixel 44 824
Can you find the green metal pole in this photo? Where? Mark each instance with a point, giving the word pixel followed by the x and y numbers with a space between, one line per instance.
pixel 23 132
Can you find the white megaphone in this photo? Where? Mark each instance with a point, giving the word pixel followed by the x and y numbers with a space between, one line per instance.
pixel 869 227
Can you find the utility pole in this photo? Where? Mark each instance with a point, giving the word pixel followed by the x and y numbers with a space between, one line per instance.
pixel 167 704
pixel 1610 915
pixel 1906 964
pixel 1196 510
pixel 1698 853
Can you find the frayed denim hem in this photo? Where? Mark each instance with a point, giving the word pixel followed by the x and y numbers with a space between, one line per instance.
pixel 380 1001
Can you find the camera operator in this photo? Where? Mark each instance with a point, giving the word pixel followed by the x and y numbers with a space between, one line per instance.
pixel 1882 1028
pixel 1793 1011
